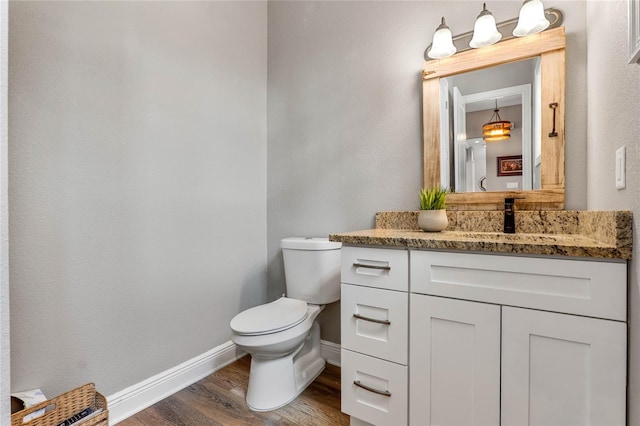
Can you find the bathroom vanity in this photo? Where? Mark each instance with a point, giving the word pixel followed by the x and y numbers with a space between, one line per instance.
pixel 481 327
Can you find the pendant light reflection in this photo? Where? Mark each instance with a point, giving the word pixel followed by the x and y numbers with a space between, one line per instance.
pixel 442 45
pixel 531 19
pixel 496 129
pixel 485 32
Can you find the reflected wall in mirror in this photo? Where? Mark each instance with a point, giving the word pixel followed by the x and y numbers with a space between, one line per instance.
pixel 522 77
pixel 469 101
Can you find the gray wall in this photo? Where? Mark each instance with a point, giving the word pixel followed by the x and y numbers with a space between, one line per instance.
pixel 137 185
pixel 614 105
pixel 344 101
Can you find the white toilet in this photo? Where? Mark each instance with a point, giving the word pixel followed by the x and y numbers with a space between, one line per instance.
pixel 283 337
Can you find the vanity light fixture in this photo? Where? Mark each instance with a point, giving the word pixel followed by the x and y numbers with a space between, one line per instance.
pixel 442 45
pixel 531 19
pixel 496 129
pixel 485 32
pixel 461 42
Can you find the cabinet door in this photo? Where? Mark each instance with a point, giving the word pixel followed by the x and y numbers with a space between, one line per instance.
pixel 455 362
pixel 562 369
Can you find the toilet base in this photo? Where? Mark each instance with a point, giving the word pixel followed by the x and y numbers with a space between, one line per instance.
pixel 273 383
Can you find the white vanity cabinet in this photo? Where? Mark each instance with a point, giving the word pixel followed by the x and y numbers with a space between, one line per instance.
pixel 375 328
pixel 495 355
pixel 456 338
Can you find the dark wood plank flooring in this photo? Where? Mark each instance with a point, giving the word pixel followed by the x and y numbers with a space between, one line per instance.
pixel 219 400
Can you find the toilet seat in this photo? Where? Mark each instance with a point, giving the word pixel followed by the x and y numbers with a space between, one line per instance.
pixel 273 317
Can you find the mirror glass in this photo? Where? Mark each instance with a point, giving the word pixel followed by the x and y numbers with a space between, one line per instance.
pixel 467 102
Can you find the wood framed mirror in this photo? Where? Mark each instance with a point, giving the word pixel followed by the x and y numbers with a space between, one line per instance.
pixel 549 47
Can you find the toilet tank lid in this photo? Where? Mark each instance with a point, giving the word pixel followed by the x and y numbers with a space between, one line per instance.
pixel 309 243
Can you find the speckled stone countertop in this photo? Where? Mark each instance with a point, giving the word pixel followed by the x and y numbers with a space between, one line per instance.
pixel 596 234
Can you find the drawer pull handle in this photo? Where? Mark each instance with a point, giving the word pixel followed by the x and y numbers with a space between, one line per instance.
pixel 360 265
pixel 365 387
pixel 385 322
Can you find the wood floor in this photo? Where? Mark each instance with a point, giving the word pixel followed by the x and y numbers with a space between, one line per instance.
pixel 219 400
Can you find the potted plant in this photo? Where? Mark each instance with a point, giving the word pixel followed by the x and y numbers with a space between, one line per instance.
pixel 433 215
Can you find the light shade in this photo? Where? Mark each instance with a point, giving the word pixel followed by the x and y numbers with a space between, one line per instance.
pixel 496 129
pixel 442 45
pixel 531 19
pixel 485 32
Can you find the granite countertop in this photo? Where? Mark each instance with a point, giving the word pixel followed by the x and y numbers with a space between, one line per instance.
pixel 593 234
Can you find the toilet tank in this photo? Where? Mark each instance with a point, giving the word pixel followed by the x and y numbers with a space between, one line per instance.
pixel 312 269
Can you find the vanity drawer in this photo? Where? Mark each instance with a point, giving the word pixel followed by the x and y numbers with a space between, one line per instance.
pixel 581 287
pixel 374 267
pixel 374 390
pixel 375 322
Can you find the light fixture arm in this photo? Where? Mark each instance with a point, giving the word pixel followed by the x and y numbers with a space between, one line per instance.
pixel 461 41
pixel 484 11
pixel 496 114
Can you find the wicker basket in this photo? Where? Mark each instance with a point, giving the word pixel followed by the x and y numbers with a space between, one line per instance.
pixel 65 406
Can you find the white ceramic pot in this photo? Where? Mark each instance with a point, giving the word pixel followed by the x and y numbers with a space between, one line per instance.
pixel 433 220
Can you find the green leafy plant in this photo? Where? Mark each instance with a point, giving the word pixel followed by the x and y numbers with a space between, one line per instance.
pixel 433 198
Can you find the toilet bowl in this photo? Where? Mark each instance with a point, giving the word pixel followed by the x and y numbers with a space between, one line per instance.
pixel 283 362
pixel 283 336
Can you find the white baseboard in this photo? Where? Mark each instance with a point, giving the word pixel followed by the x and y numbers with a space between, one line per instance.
pixel 133 399
pixel 331 352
